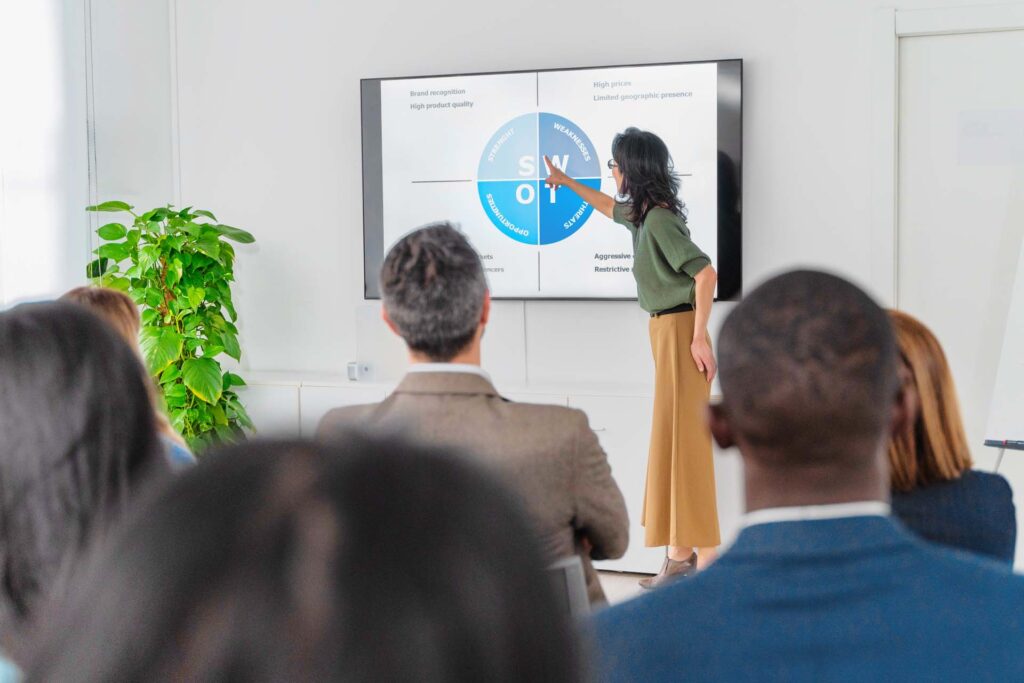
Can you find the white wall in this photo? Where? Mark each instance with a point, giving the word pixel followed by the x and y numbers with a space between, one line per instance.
pixel 85 116
pixel 131 90
pixel 269 134
pixel 43 168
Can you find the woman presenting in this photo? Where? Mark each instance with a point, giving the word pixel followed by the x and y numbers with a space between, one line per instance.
pixel 675 284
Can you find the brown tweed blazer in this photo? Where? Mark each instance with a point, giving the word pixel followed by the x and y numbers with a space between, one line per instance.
pixel 547 453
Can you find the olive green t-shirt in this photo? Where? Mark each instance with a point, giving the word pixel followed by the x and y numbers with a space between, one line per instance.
pixel 665 259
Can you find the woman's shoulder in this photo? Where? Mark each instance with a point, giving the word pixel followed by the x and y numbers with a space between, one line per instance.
pixel 661 218
pixel 988 481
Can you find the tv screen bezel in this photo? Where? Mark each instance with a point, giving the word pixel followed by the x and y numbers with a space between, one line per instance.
pixel 730 146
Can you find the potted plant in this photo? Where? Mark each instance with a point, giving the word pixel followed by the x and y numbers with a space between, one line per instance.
pixel 178 266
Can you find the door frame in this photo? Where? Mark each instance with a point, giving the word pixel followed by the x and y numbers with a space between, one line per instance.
pixel 889 26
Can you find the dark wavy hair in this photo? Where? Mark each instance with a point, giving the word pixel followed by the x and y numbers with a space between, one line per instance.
pixel 365 559
pixel 77 444
pixel 648 177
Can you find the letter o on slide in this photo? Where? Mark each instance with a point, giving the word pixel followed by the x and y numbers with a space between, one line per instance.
pixel 524 193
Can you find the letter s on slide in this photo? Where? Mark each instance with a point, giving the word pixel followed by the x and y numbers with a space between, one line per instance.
pixel 527 166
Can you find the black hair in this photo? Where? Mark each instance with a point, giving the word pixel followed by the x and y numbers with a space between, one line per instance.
pixel 77 441
pixel 808 361
pixel 648 177
pixel 433 287
pixel 368 559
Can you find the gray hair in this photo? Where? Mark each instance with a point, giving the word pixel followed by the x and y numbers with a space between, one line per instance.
pixel 433 287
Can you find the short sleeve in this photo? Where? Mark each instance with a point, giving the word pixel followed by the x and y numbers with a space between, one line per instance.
pixel 674 242
pixel 620 214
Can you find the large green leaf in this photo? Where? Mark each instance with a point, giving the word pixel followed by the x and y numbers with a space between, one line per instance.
pixel 161 346
pixel 203 377
pixel 236 234
pixel 110 206
pixel 240 414
pixel 174 272
pixel 115 251
pixel 119 283
pixel 96 267
pixel 112 231
pixel 209 246
pixel 148 256
pixel 154 298
pixel 219 417
pixel 231 346
pixel 172 373
pixel 156 215
pixel 196 295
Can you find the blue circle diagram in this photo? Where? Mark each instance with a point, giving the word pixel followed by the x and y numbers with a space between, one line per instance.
pixel 510 179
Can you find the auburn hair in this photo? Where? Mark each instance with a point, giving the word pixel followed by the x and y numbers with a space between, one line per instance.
pixel 934 448
pixel 119 310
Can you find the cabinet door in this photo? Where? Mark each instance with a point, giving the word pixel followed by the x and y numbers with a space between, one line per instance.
pixel 274 408
pixel 623 425
pixel 523 397
pixel 316 401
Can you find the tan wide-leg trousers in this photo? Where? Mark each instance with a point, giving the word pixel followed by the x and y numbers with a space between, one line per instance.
pixel 680 506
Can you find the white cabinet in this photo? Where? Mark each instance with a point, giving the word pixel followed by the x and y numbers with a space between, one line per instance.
pixel 623 425
pixel 274 408
pixel 527 397
pixel 315 401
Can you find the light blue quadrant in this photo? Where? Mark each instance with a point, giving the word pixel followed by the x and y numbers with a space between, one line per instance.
pixel 511 151
pixel 563 212
pixel 568 146
pixel 512 207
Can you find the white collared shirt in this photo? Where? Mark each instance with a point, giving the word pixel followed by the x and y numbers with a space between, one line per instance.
pixel 805 513
pixel 450 367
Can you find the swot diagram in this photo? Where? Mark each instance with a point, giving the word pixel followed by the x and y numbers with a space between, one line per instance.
pixel 510 178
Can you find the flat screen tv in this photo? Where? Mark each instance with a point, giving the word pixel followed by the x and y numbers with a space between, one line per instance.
pixel 469 149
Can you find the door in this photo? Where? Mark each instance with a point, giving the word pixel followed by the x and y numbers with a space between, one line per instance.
pixel 961 207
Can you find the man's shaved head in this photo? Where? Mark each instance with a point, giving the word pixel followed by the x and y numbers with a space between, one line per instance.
pixel 809 372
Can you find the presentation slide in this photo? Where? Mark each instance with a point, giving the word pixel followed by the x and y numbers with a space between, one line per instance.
pixel 470 149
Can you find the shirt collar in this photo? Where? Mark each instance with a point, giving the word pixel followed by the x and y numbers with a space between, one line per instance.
pixel 450 367
pixel 806 513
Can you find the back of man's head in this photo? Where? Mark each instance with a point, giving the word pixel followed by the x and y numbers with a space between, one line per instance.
pixel 808 373
pixel 433 287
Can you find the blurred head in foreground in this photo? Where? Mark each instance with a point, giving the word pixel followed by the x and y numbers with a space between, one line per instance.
pixel 77 441
pixel 369 559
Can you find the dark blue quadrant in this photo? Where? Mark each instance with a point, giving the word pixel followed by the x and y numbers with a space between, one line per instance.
pixel 563 212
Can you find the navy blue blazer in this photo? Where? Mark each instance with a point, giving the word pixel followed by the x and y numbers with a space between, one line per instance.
pixel 973 513
pixel 854 599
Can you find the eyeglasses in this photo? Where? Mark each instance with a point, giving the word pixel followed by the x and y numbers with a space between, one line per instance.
pixel 612 164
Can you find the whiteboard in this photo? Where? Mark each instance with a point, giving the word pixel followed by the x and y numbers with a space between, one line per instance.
pixel 1006 414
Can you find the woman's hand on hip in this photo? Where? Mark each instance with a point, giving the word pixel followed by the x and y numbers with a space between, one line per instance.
pixel 704 358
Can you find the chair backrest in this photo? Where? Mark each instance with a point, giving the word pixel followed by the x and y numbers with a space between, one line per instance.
pixel 571 586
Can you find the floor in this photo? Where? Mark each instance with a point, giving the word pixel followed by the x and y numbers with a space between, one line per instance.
pixel 619 586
